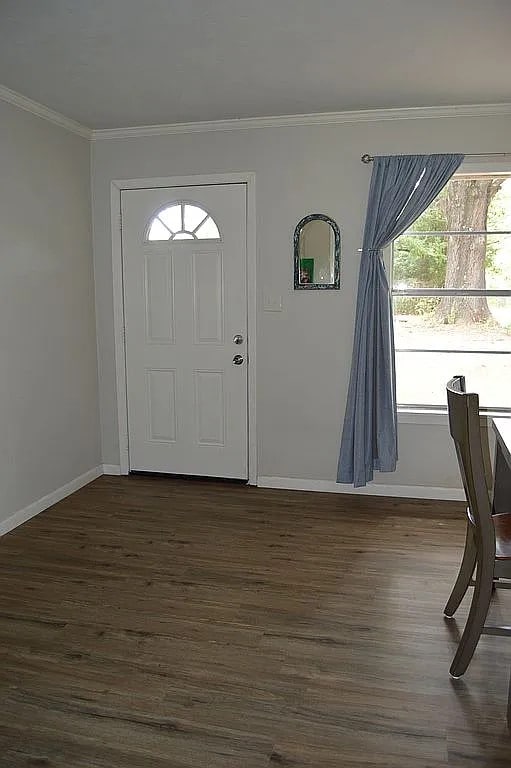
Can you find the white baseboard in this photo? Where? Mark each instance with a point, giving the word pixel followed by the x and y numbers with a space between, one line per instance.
pixel 51 498
pixel 111 469
pixel 329 486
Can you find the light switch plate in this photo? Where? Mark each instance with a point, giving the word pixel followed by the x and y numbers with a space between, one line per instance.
pixel 272 303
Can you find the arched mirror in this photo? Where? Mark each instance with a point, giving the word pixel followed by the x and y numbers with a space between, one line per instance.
pixel 317 253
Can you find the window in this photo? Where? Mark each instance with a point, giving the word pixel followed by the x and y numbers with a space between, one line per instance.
pixel 451 293
pixel 183 221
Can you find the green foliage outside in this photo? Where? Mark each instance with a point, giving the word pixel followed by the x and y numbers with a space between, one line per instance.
pixel 420 261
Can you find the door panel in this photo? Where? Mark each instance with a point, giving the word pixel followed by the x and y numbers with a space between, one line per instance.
pixel 185 300
pixel 159 297
pixel 161 405
pixel 210 407
pixel 208 298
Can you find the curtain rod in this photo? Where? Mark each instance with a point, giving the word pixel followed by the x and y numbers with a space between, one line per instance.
pixel 369 158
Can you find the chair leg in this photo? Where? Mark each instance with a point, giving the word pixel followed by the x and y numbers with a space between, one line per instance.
pixel 465 574
pixel 476 618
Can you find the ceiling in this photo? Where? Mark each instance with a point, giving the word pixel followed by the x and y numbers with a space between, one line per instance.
pixel 113 63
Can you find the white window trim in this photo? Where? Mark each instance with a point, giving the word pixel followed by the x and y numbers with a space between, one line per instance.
pixel 408 414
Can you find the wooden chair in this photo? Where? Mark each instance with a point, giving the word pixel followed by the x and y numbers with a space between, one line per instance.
pixel 488 537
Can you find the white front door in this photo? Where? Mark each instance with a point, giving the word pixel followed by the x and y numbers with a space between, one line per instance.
pixel 184 262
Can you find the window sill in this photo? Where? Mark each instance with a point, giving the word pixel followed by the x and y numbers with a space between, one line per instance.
pixel 439 417
pixel 421 416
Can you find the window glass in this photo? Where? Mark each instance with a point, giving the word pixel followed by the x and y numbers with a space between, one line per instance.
pixel 157 231
pixel 451 285
pixel 488 375
pixel 183 221
pixel 172 218
pixel 208 230
pixel 183 236
pixel 193 216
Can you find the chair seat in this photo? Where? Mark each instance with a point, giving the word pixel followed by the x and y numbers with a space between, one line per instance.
pixel 502 524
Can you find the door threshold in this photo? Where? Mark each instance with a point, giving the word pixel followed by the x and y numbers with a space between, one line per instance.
pixel 194 478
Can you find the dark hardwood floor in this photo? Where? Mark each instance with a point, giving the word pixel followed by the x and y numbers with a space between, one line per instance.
pixel 157 623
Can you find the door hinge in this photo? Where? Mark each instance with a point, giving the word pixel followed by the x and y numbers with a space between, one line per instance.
pixel 120 221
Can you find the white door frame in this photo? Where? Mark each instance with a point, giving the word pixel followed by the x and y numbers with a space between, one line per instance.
pixel 116 187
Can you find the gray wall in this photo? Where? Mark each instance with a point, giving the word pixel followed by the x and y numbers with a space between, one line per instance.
pixel 49 426
pixel 303 352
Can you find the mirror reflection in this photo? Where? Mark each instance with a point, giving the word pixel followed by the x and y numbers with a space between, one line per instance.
pixel 317 253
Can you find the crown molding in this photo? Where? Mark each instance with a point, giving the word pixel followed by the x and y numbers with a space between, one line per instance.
pixel 40 110
pixel 247 123
pixel 321 118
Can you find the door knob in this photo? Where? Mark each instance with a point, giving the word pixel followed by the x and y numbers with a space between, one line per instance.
pixel 237 360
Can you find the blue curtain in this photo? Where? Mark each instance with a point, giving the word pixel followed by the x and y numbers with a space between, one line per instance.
pixel 402 187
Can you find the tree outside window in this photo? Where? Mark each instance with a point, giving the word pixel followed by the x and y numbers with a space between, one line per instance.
pixel 451 285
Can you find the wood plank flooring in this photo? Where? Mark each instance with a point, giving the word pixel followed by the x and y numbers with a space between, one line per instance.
pixel 160 623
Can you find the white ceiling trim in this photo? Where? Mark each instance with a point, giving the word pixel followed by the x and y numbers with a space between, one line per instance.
pixel 40 110
pixel 247 123
pixel 322 118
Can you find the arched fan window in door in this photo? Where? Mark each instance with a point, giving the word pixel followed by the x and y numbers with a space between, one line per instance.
pixel 182 221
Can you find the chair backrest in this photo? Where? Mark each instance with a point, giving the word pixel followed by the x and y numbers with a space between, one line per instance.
pixel 465 428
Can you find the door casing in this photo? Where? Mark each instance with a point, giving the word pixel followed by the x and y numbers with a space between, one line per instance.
pixel 116 187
